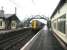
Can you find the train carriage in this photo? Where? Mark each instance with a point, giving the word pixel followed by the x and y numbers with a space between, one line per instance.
pixel 36 25
pixel 59 23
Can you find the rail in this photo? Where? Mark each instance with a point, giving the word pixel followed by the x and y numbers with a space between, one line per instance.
pixel 11 39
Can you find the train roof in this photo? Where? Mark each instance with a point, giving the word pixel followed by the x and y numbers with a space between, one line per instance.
pixel 61 3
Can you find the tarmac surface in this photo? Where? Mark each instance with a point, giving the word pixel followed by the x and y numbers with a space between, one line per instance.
pixel 46 41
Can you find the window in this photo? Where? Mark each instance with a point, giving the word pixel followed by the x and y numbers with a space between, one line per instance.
pixel 54 25
pixel 13 24
pixel 0 23
pixel 61 23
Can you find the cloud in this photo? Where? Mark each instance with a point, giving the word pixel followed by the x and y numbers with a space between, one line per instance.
pixel 27 8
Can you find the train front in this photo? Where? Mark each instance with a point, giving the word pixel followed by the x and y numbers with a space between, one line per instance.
pixel 36 25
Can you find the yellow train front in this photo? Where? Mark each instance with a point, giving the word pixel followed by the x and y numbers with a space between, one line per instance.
pixel 36 25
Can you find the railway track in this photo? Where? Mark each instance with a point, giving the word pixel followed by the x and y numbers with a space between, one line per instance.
pixel 15 40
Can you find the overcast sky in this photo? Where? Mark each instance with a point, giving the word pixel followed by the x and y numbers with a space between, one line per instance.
pixel 27 8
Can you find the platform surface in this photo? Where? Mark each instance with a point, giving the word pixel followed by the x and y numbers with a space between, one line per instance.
pixel 46 41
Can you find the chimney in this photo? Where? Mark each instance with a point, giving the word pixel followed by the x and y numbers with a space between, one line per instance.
pixel 2 12
pixel 15 10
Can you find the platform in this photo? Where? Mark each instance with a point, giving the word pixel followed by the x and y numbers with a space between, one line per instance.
pixel 46 41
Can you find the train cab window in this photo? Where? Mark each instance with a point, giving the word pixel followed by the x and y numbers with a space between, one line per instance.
pixel 61 23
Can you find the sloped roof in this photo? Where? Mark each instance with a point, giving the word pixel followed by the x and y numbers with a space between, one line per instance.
pixel 13 16
pixel 5 15
pixel 61 3
pixel 8 15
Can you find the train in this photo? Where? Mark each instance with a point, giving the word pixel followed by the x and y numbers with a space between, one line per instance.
pixel 37 25
pixel 59 23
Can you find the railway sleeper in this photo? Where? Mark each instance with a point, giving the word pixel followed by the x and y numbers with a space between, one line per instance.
pixel 12 42
pixel 10 38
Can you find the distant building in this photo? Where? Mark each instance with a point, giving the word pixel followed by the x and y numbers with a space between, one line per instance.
pixel 8 21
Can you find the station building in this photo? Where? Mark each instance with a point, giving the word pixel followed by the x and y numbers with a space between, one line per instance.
pixel 8 21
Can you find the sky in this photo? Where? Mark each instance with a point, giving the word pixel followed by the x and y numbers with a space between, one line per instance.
pixel 27 8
